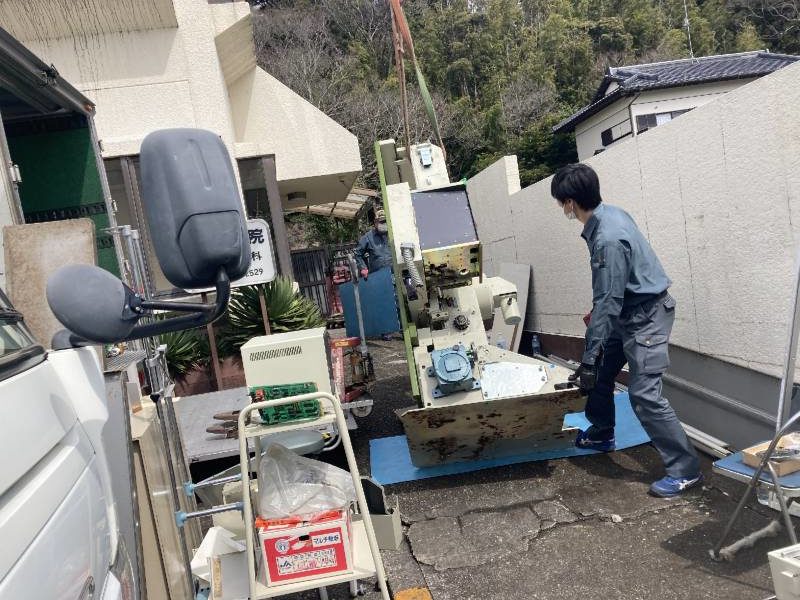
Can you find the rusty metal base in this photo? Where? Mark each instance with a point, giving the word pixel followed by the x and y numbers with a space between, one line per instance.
pixel 490 429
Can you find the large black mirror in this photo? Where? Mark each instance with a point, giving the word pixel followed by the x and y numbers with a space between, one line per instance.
pixel 193 207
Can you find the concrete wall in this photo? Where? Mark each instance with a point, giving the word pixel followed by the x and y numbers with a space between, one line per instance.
pixel 587 133
pixel 717 193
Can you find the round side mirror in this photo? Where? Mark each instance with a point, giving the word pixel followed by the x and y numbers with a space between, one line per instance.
pixel 92 303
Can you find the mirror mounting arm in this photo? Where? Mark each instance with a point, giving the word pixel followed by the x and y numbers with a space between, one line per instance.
pixel 178 306
pixel 204 313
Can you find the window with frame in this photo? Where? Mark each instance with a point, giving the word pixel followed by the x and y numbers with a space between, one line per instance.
pixel 645 122
pixel 615 133
pixel 18 349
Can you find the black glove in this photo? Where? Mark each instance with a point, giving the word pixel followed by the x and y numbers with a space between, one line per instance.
pixel 585 376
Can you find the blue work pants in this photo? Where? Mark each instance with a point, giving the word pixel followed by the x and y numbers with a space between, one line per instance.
pixel 641 338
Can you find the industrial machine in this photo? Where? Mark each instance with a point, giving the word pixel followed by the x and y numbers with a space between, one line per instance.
pixel 475 400
pixel 299 362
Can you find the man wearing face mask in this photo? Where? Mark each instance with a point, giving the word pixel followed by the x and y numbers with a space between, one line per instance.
pixel 372 252
pixel 631 320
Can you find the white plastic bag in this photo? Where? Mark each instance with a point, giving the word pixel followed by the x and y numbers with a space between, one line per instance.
pixel 290 485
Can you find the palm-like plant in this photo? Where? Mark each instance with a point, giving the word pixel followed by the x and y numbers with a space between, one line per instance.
pixel 183 351
pixel 288 311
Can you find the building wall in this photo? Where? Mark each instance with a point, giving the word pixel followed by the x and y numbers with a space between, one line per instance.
pixel 145 79
pixel 194 67
pixel 587 133
pixel 717 193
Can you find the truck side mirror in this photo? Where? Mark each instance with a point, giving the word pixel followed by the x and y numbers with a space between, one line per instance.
pixel 198 229
pixel 193 208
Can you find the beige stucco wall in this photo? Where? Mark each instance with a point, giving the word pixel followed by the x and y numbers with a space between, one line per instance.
pixel 587 133
pixel 717 193
pixel 304 140
pixel 188 63
pixel 142 79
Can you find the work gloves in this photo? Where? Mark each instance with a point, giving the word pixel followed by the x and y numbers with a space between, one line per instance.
pixel 585 377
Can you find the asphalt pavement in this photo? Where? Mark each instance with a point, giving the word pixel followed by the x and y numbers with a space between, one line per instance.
pixel 581 527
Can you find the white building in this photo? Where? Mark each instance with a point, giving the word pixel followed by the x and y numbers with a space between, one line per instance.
pixel 633 99
pixel 154 64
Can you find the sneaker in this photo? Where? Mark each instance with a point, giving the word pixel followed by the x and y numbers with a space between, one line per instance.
pixel 584 441
pixel 669 487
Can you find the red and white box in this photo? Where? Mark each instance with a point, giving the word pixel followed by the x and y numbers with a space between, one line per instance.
pixel 305 547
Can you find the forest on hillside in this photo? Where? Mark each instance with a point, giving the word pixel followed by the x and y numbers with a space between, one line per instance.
pixel 501 72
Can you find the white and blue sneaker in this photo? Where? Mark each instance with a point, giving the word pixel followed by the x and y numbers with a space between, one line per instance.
pixel 669 487
pixel 584 441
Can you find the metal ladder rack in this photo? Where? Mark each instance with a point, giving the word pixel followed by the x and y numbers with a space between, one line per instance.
pixel 366 554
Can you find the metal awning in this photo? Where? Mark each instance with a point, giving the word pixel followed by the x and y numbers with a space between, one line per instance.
pixel 350 208
pixel 36 87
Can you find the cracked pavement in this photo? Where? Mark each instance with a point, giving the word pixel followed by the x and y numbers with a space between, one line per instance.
pixel 582 527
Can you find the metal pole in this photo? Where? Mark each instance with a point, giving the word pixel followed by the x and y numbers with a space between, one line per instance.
pixel 262 300
pixel 181 518
pixel 787 519
pixel 787 383
pixel 212 342
pixel 357 296
pixel 156 398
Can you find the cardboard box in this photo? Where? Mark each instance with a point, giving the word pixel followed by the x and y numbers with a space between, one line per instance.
pixel 299 550
pixel 750 456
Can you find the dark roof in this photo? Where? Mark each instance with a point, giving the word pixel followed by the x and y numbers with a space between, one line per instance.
pixel 676 73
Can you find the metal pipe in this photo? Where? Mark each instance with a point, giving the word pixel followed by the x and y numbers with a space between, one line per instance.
pixel 156 398
pixel 182 517
pixel 787 383
pixel 787 519
pixel 190 487
pixel 753 482
pixel 357 297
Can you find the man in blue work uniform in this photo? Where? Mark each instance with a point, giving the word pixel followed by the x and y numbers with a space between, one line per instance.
pixel 372 252
pixel 631 319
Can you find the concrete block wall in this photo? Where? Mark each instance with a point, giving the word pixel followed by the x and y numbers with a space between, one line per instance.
pixel 717 193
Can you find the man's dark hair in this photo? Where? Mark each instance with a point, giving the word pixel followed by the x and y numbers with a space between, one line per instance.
pixel 578 182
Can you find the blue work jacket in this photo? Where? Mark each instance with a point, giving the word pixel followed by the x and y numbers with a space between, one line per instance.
pixel 625 272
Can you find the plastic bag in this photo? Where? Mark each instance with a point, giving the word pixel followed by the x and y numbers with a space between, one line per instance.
pixel 292 485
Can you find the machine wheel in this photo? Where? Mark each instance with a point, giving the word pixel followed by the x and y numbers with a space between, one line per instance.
pixel 361 411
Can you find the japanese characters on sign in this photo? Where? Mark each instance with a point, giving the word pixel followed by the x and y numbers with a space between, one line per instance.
pixel 262 263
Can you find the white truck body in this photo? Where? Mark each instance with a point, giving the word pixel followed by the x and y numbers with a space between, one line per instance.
pixel 57 515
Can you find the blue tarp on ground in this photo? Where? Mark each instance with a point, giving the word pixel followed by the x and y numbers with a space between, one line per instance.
pixel 390 459
pixel 378 305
